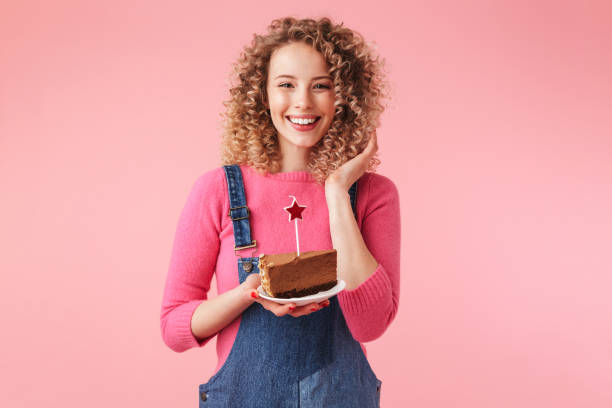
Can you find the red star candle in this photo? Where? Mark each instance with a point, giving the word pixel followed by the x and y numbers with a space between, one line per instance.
pixel 295 211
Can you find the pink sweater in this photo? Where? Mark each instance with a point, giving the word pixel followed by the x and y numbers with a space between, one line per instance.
pixel 204 243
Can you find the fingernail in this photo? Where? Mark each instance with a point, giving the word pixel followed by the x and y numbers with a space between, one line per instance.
pixel 326 304
pixel 291 307
pixel 254 295
pixel 314 309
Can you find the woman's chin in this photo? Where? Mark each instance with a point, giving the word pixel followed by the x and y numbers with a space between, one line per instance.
pixel 302 141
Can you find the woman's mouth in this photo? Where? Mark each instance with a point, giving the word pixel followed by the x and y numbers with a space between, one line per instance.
pixel 303 123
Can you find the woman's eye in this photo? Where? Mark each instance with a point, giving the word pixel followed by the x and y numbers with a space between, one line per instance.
pixel 316 86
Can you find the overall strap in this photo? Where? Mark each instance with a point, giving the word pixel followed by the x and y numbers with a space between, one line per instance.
pixel 238 212
pixel 353 196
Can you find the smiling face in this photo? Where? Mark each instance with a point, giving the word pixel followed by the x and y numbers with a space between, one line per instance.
pixel 300 96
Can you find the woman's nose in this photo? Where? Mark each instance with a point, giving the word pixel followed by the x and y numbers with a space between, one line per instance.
pixel 303 98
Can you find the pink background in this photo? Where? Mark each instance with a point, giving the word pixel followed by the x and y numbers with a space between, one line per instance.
pixel 499 139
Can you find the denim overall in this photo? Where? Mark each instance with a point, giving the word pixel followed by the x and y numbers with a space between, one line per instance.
pixel 309 361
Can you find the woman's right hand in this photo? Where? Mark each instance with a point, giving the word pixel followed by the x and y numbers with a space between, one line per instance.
pixel 250 292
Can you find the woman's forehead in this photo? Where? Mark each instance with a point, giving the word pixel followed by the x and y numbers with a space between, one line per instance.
pixel 297 60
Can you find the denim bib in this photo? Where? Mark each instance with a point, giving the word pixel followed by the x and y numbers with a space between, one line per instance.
pixel 309 361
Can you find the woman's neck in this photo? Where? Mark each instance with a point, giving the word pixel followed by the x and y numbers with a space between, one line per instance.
pixel 292 166
pixel 294 159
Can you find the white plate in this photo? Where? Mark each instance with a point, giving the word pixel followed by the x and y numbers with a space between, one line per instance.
pixel 301 301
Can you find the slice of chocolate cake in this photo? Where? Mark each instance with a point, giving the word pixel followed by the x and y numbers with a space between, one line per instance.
pixel 288 276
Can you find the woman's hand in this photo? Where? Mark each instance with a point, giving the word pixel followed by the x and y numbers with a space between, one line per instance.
pixel 344 176
pixel 355 261
pixel 250 292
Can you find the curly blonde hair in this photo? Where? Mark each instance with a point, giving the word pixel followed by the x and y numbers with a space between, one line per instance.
pixel 249 136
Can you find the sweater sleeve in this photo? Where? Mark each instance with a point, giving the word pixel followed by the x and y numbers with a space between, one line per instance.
pixel 192 262
pixel 371 307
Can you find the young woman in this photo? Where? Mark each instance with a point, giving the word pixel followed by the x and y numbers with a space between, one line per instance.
pixel 301 121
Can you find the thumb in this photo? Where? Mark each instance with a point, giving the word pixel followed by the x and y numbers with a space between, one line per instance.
pixel 252 281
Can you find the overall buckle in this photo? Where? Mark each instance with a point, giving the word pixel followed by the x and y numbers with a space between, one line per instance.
pixel 248 265
pixel 239 218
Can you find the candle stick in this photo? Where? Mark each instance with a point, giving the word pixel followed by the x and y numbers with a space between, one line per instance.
pixel 297 238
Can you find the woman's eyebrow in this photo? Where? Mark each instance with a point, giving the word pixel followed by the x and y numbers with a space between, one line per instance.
pixel 313 79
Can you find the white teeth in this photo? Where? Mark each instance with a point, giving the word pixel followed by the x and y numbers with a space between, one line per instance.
pixel 302 121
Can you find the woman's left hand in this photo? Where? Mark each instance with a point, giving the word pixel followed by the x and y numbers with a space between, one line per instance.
pixel 344 176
